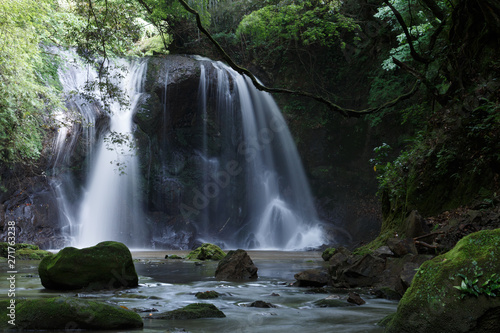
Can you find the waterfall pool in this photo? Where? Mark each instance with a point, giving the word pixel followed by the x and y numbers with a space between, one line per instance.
pixel 166 285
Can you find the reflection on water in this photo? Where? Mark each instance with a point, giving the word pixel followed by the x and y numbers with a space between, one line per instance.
pixel 170 284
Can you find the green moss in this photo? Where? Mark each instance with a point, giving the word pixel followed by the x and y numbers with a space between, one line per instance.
pixel 207 251
pixel 193 311
pixel 207 294
pixel 104 266
pixel 4 248
pixel 58 313
pixel 29 254
pixel 433 304
pixel 328 253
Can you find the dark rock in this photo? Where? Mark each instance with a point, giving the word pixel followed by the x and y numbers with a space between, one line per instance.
pixel 401 247
pixel 354 298
pixel 415 225
pixel 192 311
pixel 433 304
pixel 408 272
pixel 312 278
pixel 387 293
pixel 207 252
pixel 261 304
pixel 209 294
pixel 363 272
pixel 333 301
pixel 104 266
pixel 237 265
pixel 65 313
pixel 328 253
pixel 383 252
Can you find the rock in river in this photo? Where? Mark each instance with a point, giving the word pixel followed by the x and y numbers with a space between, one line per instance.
pixel 237 265
pixel 107 265
pixel 66 313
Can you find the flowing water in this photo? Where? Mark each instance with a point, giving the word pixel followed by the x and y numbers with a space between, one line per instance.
pixel 166 285
pixel 265 202
pixel 111 204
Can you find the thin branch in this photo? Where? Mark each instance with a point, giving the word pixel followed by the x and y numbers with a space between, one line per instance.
pixel 243 71
pixel 440 98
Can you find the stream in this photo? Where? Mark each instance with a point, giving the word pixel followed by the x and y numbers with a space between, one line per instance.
pixel 166 285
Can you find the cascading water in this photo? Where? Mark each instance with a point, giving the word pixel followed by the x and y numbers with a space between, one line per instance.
pixel 110 209
pixel 233 164
pixel 277 210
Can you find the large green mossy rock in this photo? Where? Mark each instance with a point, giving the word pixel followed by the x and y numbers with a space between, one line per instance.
pixel 193 311
pixel 433 304
pixel 107 265
pixel 64 313
pixel 207 251
pixel 23 251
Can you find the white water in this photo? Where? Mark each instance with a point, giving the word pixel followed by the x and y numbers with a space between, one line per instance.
pixel 110 208
pixel 281 213
pixel 77 121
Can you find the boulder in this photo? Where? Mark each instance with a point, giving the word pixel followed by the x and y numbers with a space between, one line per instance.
pixel 354 298
pixel 207 251
pixel 107 265
pixel 261 304
pixel 402 246
pixel 192 311
pixel 312 278
pixel 332 301
pixel 207 294
pixel 328 253
pixel 66 313
pixel 415 225
pixel 237 265
pixel 442 297
pixel 364 271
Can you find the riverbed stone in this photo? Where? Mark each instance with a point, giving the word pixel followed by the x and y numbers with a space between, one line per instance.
pixel 312 278
pixel 434 304
pixel 107 265
pixel 192 311
pixel 207 251
pixel 66 313
pixel 237 265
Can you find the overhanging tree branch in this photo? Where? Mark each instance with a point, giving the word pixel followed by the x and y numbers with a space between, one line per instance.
pixel 409 37
pixel 243 71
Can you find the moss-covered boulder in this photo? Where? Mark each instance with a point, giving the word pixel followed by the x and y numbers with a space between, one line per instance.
pixel 328 253
pixel 207 251
pixel 23 251
pixel 107 265
pixel 442 296
pixel 64 313
pixel 209 294
pixel 192 311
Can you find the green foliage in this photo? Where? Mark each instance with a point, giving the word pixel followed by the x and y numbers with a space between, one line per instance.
pixel 421 25
pixel 23 75
pixel 472 286
pixel 308 22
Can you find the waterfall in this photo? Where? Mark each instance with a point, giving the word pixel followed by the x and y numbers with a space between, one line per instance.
pixel 111 205
pixel 229 173
pixel 277 210
pixel 106 203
